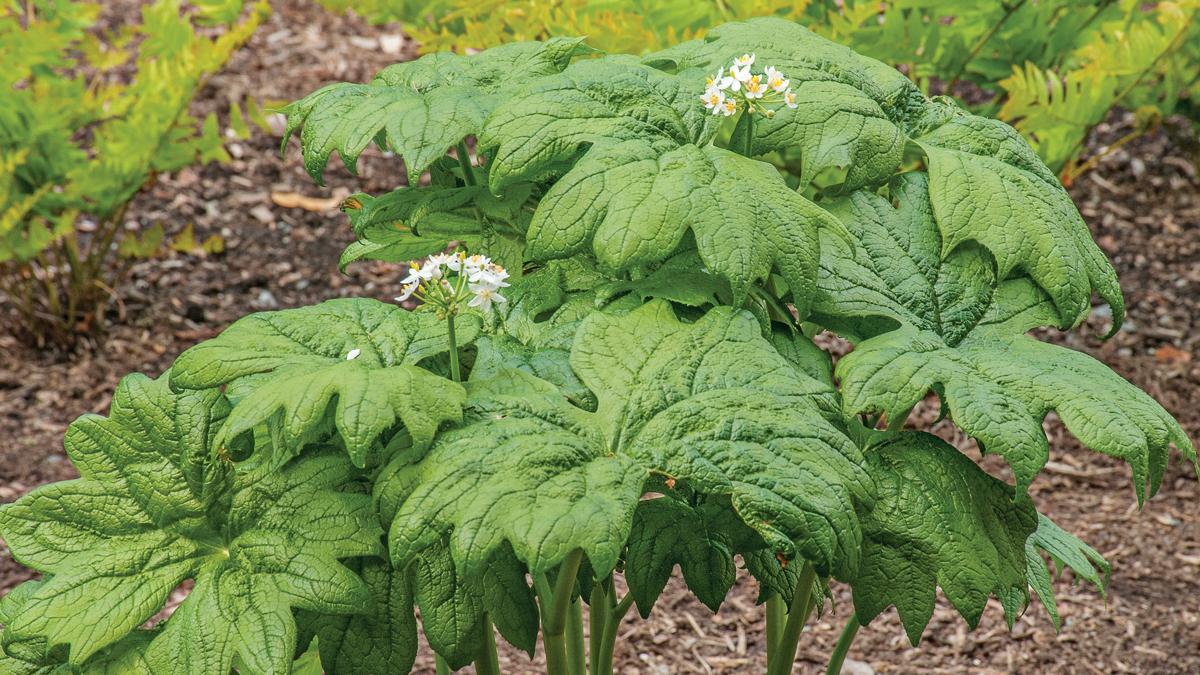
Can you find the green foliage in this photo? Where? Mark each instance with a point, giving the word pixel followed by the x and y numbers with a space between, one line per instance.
pixel 1057 67
pixel 647 395
pixel 156 505
pixel 77 143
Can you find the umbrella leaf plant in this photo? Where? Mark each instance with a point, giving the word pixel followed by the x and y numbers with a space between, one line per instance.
pixel 612 372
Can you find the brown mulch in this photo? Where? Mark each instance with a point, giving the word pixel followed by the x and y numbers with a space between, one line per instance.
pixel 1142 203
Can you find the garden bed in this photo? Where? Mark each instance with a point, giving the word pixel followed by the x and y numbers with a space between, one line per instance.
pixel 1142 203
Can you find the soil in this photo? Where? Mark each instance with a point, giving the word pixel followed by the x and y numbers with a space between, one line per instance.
pixel 1142 203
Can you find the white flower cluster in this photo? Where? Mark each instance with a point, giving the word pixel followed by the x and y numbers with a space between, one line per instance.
pixel 473 275
pixel 726 93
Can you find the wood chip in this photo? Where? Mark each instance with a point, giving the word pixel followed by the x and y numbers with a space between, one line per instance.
pixel 1068 470
pixel 1150 652
pixel 1189 559
pixel 291 200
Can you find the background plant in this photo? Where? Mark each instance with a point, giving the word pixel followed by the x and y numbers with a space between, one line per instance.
pixel 649 394
pixel 1057 68
pixel 86 120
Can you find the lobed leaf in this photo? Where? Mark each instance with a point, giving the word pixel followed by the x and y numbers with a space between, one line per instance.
pixel 999 385
pixel 294 363
pixel 1065 551
pixel 712 404
pixel 422 107
pixel 701 538
pixel 384 641
pixel 939 520
pixel 115 543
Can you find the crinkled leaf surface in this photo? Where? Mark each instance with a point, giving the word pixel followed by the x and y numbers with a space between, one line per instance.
pixel 385 232
pixel 939 520
pixel 526 467
pixel 642 185
pixel 986 183
pixel 999 385
pixel 701 538
pixel 712 404
pixel 117 541
pixel 384 641
pixel 840 120
pixel 963 331
pixel 1065 550
pixel 298 367
pixel 421 107
pixel 452 604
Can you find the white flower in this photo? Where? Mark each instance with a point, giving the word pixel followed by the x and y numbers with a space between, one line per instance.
pixel 407 291
pixel 744 61
pixel 485 295
pixel 755 88
pixel 790 99
pixel 718 82
pixel 432 271
pixel 353 354
pixel 729 107
pixel 739 75
pixel 455 260
pixel 492 275
pixel 713 100
pixel 414 275
pixel 775 80
pixel 475 263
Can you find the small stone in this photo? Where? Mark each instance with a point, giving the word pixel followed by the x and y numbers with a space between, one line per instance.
pixel 263 214
pixel 391 44
pixel 266 300
pixel 852 667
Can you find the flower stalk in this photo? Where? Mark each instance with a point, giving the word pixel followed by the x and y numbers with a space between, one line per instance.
pixel 446 282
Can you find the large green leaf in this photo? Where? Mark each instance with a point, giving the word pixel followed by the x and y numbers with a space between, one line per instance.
pixel 999 385
pixel 939 520
pixel 453 605
pixel 844 119
pixel 920 319
pixel 711 404
pixel 701 538
pixel 714 404
pixel 115 543
pixel 987 185
pixel 1065 551
pixel 635 183
pixel 423 107
pixel 297 365
pixel 526 467
pixel 384 641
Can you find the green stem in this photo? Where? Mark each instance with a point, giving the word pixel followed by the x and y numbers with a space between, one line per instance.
pixel 616 615
pixel 554 622
pixel 597 620
pixel 487 662
pixel 454 372
pixel 464 162
pixel 576 652
pixel 785 652
pixel 750 132
pixel 843 646
pixel 774 610
pixel 898 423
pixel 443 668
